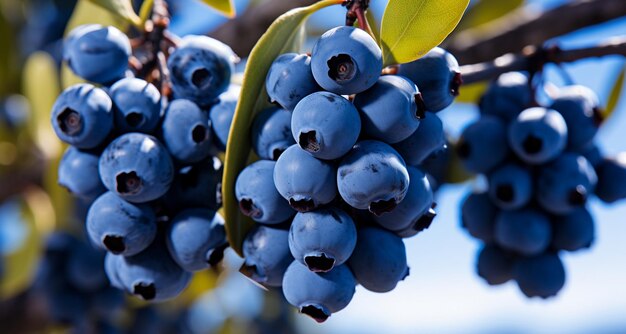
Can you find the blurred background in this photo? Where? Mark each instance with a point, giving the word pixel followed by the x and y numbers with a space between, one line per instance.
pixel 442 294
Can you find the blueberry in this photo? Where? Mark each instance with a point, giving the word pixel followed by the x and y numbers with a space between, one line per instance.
pixel 611 179
pixel 538 135
pixel 120 227
pixel 579 106
pixel 526 231
pixel 194 239
pixel 318 295
pixel 81 116
pixel 186 131
pixel 438 77
pixel 98 54
pixel 565 183
pixel 542 275
pixel 271 133
pixel 483 145
pixel 379 259
pixel 346 60
pixel 412 211
pixel 76 173
pixel 510 187
pixel 391 109
pixel 373 176
pixel 495 265
pixel 478 215
pixel 136 167
pixel 152 274
pixel 222 113
pixel 573 231
pixel 290 79
pixel 257 195
pixel 196 186
pixel 84 268
pixel 111 268
pixel 136 105
pixel 15 111
pixel 593 154
pixel 426 140
pixel 200 69
pixel 303 180
pixel 326 125
pixel 267 256
pixel 322 239
pixel 507 96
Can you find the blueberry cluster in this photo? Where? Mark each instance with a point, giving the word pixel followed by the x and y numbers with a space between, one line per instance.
pixel 541 166
pixel 339 182
pixel 147 160
pixel 73 284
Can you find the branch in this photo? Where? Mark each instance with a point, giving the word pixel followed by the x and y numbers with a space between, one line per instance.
pixel 532 59
pixel 523 27
pixel 243 32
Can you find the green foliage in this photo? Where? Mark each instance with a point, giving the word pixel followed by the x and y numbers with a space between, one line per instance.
pixel 486 11
pixel 9 69
pixel 121 8
pixel 471 93
pixel 225 7
pixel 614 96
pixel 411 28
pixel 281 37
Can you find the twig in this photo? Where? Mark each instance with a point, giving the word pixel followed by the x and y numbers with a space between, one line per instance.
pixel 532 59
pixel 523 27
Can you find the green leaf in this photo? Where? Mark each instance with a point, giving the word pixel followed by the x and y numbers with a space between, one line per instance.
pixel 121 8
pixel 614 96
pixel 411 28
pixel 225 7
pixel 487 11
pixel 371 20
pixel 145 10
pixel 471 93
pixel 281 37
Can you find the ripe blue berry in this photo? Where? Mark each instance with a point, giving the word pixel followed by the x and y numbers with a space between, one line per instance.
pixel 196 186
pixel 428 139
pixel 483 145
pixel 565 183
pixel 573 231
pixel 478 216
pixel 120 227
pixel 412 211
pixel 526 231
pixel 379 259
pixel 538 135
pixel 152 274
pixel 346 60
pixel 186 131
pixel 507 96
pixel 318 295
pixel 82 116
pixel 76 173
pixel 267 256
pixel 257 195
pixel 373 176
pixel 540 276
pixel 495 265
pixel 111 268
pixel 510 187
pixel 194 239
pixel 303 180
pixel 221 115
pixel 322 239
pixel 271 133
pixel 290 79
pixel 326 125
pixel 136 167
pixel 391 109
pixel 98 54
pixel 438 77
pixel 136 105
pixel 612 179
pixel 83 268
pixel 579 106
pixel 201 68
